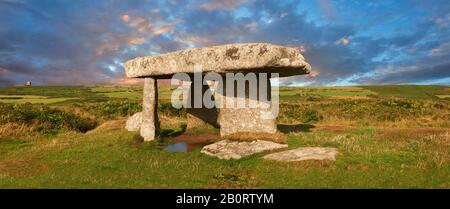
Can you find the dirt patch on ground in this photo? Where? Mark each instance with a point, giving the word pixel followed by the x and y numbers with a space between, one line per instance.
pixel 109 125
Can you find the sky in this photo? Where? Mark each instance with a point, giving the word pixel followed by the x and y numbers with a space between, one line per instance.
pixel 86 42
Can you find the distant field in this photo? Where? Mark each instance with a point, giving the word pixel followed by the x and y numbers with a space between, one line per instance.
pixel 293 93
pixel 21 99
pixel 132 93
pixel 410 91
pixel 387 137
pixel 103 93
pixel 403 91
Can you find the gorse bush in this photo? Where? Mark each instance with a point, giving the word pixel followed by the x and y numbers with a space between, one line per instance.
pixel 169 110
pixel 401 104
pixel 76 123
pixel 374 110
pixel 45 119
pixel 299 113
pixel 113 108
pixel 310 116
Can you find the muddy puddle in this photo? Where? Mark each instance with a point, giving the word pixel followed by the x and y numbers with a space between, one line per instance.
pixel 189 142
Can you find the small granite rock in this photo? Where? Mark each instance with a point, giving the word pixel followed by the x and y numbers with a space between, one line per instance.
pixel 304 153
pixel 227 149
pixel 134 122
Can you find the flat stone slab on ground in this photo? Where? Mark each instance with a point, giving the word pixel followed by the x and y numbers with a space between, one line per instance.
pixel 304 153
pixel 227 149
pixel 244 57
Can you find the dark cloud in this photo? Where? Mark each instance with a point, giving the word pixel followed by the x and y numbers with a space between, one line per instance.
pixel 407 73
pixel 86 42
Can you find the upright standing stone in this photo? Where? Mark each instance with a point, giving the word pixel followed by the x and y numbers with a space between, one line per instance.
pixel 246 119
pixel 200 116
pixel 150 123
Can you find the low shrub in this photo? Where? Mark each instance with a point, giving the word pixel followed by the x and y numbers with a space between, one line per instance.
pixel 299 113
pixel 169 110
pixel 118 108
pixel 45 119
pixel 373 110
pixel 311 116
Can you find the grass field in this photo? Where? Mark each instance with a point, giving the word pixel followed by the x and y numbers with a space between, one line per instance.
pixel 326 91
pixel 410 91
pixel 22 99
pixel 387 137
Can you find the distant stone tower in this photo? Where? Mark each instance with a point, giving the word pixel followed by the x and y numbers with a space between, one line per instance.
pixel 28 83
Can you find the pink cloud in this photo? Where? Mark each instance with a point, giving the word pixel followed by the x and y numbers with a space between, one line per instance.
pixel 166 28
pixel 125 18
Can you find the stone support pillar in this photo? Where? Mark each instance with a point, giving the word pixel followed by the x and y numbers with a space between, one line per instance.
pixel 246 119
